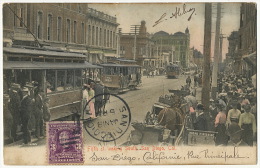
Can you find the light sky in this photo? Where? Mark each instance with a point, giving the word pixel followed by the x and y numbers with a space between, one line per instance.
pixel 132 14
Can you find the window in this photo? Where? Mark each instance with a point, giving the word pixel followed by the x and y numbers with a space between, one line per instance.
pixel 59 29
pixel 50 80
pixel 75 32
pixel 68 31
pixel 82 33
pixel 100 38
pixel 97 36
pixel 110 44
pixel 49 27
pixel 61 79
pixel 93 35
pixel 39 25
pixel 21 17
pixel 78 78
pixel 105 38
pixel 70 80
pixel 107 45
pixel 89 35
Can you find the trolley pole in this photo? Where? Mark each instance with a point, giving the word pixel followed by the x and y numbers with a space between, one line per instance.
pixel 205 93
pixel 214 88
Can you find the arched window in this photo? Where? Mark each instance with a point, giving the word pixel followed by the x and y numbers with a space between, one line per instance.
pixel 59 24
pixel 39 25
pixel 49 27
pixel 68 31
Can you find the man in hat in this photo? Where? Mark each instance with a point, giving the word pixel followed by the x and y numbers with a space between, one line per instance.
pixel 234 132
pixel 26 110
pixel 38 113
pixel 15 94
pixel 200 122
pixel 99 92
pixel 248 123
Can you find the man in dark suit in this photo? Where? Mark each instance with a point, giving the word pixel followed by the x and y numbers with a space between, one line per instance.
pixel 26 110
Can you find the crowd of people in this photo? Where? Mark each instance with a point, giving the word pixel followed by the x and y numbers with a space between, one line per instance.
pixel 26 110
pixel 232 114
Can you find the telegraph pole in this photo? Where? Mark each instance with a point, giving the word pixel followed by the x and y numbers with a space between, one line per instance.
pixel 135 28
pixel 205 95
pixel 214 88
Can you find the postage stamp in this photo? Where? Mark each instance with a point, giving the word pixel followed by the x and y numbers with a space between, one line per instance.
pixel 64 142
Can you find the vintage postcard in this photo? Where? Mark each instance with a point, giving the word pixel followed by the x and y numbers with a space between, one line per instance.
pixel 129 83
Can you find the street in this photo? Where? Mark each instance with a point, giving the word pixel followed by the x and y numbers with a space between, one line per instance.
pixel 140 101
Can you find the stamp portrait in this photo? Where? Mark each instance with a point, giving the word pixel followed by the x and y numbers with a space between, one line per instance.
pixel 64 143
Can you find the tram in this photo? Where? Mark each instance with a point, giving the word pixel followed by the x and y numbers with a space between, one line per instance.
pixel 173 71
pixel 120 76
pixel 60 76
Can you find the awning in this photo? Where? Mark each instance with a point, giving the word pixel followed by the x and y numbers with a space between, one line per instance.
pixel 95 51
pixel 110 55
pixel 41 52
pixel 118 65
pixel 251 58
pixel 46 65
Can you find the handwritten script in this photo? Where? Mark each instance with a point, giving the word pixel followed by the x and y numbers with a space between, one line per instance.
pixel 162 155
pixel 178 13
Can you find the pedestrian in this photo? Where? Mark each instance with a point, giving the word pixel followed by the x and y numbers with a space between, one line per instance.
pixel 91 94
pixel 235 132
pixel 15 95
pixel 200 122
pixel 188 81
pixel 195 80
pixel 38 110
pixel 85 98
pixel 46 109
pixel 99 93
pixel 220 127
pixel 248 123
pixel 8 118
pixel 233 114
pixel 26 110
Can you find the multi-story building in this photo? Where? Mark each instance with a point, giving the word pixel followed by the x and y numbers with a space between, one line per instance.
pixel 137 45
pixel 102 37
pixel 70 27
pixel 233 40
pixel 177 46
pixel 245 62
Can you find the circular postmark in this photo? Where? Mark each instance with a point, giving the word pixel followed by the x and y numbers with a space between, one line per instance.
pixel 114 120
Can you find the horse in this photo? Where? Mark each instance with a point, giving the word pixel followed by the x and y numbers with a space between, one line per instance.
pixel 171 118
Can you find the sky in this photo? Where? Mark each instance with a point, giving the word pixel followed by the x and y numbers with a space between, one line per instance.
pixel 128 14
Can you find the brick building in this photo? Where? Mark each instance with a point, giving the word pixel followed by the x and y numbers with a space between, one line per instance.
pixel 136 46
pixel 65 26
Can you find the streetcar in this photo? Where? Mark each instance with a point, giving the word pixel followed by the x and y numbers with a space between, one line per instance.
pixel 120 77
pixel 173 71
pixel 60 76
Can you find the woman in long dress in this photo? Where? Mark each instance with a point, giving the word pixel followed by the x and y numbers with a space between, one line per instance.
pixel 91 94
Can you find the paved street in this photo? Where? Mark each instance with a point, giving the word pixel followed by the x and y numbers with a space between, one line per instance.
pixel 141 100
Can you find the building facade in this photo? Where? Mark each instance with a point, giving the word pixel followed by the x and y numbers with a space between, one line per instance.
pixel 70 27
pixel 137 45
pixel 177 46
pixel 245 62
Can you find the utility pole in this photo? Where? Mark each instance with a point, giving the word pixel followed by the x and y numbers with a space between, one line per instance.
pixel 220 49
pixel 118 42
pixel 135 28
pixel 205 94
pixel 214 87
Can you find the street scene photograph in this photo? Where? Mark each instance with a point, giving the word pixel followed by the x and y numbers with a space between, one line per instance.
pixel 129 83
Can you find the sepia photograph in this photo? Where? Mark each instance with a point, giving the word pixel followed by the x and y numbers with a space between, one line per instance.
pixel 129 83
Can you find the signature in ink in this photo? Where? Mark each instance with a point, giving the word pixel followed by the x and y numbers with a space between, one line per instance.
pixel 178 12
